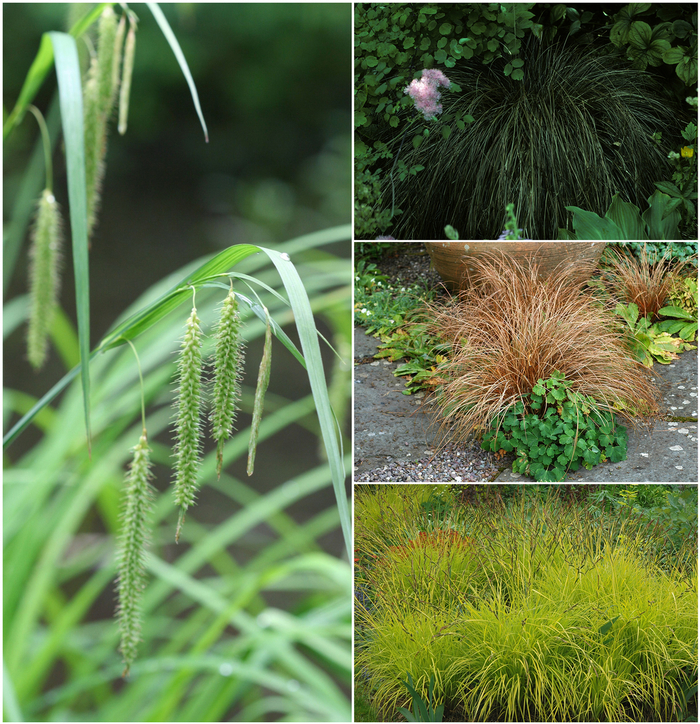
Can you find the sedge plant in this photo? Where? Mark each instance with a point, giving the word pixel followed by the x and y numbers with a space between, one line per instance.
pixel 575 130
pixel 572 618
pixel 513 329
pixel 201 635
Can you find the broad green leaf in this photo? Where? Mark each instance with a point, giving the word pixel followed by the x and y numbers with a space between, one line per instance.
pixel 661 227
pixel 71 100
pixel 674 55
pixel 667 187
pixel 677 312
pixel 588 225
pixel 626 217
pixel 175 46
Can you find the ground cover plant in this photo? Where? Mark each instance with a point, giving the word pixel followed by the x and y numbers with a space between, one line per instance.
pixel 567 607
pixel 516 121
pixel 393 312
pixel 229 602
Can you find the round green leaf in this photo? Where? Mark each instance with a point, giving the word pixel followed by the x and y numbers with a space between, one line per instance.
pixel 445 29
pixel 518 74
pixel 674 55
pixel 640 35
pixel 517 62
pixel 371 62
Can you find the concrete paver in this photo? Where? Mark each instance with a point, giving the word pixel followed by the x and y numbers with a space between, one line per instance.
pixel 666 454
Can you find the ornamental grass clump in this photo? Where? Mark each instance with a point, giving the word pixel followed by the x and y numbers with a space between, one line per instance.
pixel 574 131
pixel 635 280
pixel 566 617
pixel 513 329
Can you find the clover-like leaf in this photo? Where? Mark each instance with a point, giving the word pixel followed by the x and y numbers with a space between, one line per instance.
pixel 619 34
pixel 647 46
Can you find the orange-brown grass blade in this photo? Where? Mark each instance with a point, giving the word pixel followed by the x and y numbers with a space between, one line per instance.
pixel 513 328
pixel 634 281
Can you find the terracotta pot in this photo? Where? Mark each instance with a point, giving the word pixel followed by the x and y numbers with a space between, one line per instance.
pixel 451 258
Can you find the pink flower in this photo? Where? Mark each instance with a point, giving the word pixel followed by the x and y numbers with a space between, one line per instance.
pixel 425 92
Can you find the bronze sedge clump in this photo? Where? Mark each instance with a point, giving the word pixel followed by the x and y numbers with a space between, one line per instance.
pixel 635 281
pixel 513 329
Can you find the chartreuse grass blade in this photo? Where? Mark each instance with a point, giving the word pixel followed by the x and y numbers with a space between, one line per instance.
pixel 41 66
pixel 71 99
pixel 170 37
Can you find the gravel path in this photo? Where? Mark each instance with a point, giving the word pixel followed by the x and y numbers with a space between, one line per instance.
pixel 396 438
pixel 453 464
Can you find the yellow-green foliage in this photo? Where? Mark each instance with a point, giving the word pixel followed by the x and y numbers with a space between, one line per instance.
pixel 684 294
pixel 550 616
pixel 378 508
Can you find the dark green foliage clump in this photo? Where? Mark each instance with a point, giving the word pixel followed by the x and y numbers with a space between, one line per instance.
pixel 576 130
pixel 681 251
pixel 564 430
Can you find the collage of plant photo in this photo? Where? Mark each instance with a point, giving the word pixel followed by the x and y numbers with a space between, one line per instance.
pixel 350 362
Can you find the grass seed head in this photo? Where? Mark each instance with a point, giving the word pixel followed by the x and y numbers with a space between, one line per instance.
pixel 132 548
pixel 99 93
pixel 188 429
pixel 228 368
pixel 44 277
pixel 263 381
pixel 125 90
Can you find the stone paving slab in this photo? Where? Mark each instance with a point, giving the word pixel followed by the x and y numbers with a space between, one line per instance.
pixel 666 454
pixel 388 424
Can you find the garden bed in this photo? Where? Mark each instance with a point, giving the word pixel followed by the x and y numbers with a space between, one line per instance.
pixel 522 603
pixel 397 436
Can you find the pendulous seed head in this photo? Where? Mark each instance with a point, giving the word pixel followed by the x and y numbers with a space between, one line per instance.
pixel 99 93
pixel 263 381
pixel 125 90
pixel 228 367
pixel 188 430
pixel 132 548
pixel 44 277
